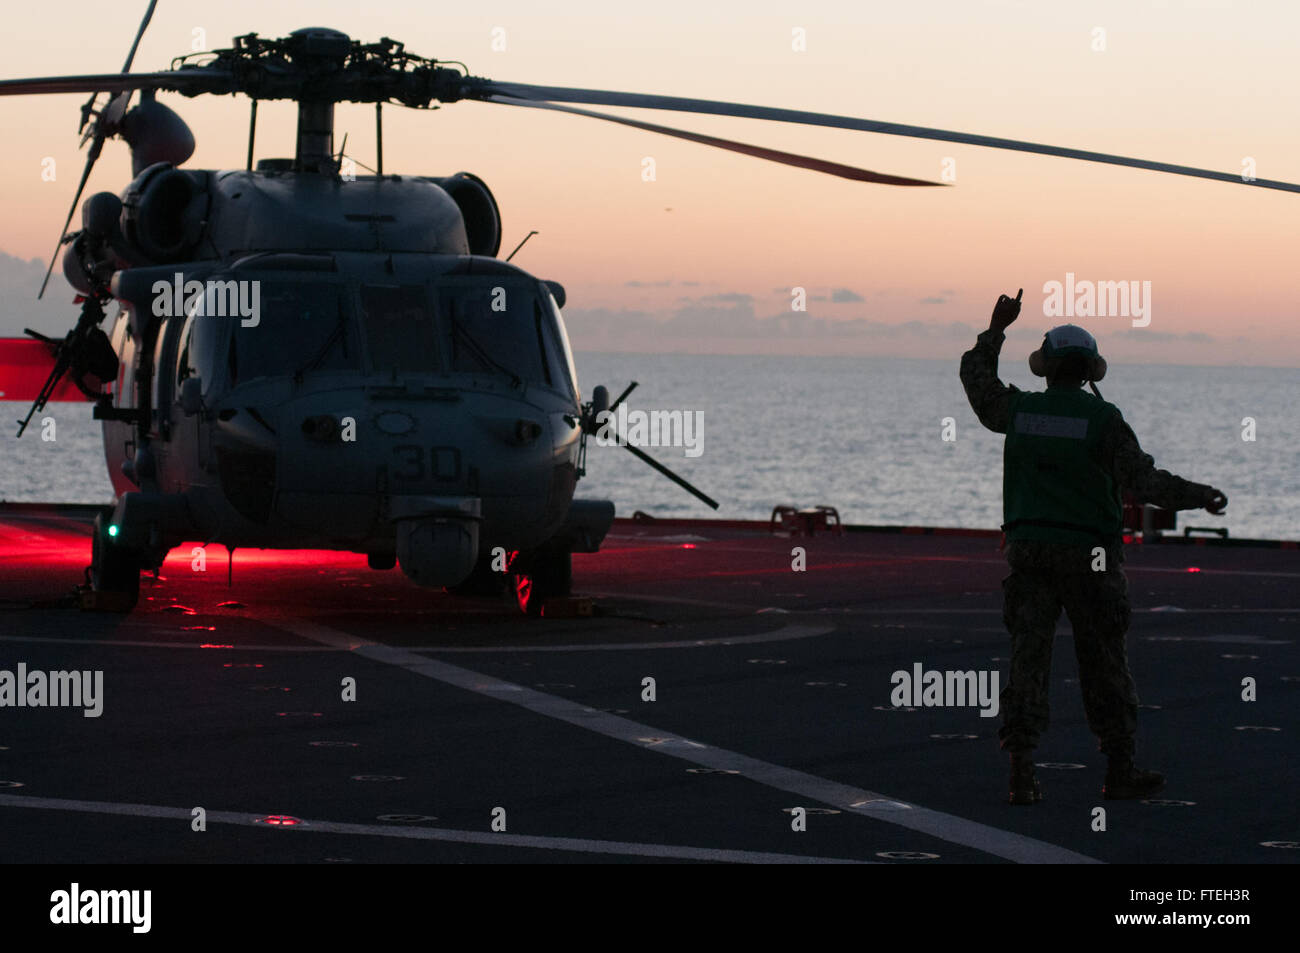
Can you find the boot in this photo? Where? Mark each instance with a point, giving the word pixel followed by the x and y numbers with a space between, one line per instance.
pixel 1024 786
pixel 1124 781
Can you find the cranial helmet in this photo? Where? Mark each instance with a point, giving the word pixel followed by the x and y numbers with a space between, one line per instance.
pixel 1061 342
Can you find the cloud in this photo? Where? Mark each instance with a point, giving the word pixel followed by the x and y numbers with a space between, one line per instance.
pixel 647 284
pixel 1167 337
pixel 727 297
pixel 20 279
pixel 735 319
pixel 933 299
pixel 845 296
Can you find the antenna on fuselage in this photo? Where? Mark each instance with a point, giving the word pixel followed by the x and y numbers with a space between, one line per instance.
pixel 521 244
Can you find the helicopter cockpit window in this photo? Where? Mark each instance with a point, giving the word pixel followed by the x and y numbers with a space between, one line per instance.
pixel 200 350
pixel 490 326
pixel 400 330
pixel 301 328
pixel 558 351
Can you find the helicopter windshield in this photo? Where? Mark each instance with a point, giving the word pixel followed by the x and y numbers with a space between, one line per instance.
pixel 400 331
pixel 493 326
pixel 302 327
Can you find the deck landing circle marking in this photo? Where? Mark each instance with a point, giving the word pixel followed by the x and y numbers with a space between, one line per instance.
pixel 406 818
pixel 1256 728
pixel 1284 844
pixel 953 737
pixel 11 784
pixel 811 810
pixel 786 633
pixel 881 804
pixel 1167 802
pixel 378 777
pixel 711 771
pixel 906 855
pixel 334 744
pixel 434 834
pixel 1060 765
pixel 893 708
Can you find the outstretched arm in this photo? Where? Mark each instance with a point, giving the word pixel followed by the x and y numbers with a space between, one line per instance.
pixel 988 396
pixel 1136 471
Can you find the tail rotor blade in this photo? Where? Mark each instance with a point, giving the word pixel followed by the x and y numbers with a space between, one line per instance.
pixel 105 125
pixel 95 148
pixel 135 45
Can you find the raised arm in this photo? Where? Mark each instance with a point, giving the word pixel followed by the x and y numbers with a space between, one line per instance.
pixel 988 396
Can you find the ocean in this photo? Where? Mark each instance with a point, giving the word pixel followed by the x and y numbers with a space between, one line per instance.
pixel 863 435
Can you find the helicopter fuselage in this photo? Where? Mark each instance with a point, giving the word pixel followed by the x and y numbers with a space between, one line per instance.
pixel 347 376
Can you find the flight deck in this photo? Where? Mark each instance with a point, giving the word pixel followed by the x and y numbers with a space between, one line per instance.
pixel 318 711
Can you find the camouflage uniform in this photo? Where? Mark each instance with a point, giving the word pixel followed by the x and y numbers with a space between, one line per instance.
pixel 1047 577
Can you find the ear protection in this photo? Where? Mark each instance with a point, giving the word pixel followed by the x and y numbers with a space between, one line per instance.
pixel 1064 340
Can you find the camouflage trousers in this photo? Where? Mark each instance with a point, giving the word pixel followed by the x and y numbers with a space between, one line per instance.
pixel 1046 578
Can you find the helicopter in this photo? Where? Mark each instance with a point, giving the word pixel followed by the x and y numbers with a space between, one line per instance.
pixel 302 359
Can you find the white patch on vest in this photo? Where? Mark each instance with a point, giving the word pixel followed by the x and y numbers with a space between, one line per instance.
pixel 1052 425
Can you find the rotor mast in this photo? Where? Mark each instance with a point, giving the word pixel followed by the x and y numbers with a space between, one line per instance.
pixel 321 53
pixel 315 151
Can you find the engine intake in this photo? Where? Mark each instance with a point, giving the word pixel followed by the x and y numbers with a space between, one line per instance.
pixel 163 212
pixel 478 207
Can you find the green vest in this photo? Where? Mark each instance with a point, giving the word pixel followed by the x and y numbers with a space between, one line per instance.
pixel 1055 487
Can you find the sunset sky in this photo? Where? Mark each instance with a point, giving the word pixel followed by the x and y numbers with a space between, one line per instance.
pixel 704 257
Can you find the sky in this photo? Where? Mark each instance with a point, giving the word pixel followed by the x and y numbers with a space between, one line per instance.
pixel 708 255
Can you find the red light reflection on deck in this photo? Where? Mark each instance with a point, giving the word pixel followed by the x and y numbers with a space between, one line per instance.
pixel 279 820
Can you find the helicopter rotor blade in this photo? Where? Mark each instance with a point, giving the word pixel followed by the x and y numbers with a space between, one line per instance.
pixel 179 80
pixel 758 152
pixel 106 123
pixel 477 88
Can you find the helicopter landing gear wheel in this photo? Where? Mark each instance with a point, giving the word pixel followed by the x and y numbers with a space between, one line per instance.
pixel 114 569
pixel 549 575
